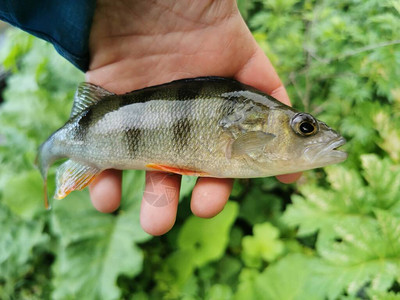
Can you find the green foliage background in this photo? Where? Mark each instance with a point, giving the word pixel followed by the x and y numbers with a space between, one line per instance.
pixel 333 235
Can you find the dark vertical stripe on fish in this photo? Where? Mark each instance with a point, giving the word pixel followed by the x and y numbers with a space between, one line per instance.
pixel 181 134
pixel 84 124
pixel 132 140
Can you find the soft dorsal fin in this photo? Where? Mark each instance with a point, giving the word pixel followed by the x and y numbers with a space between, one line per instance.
pixel 86 95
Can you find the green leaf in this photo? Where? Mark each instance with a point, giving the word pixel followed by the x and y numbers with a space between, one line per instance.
pixel 383 179
pixel 17 43
pixel 207 240
pixel 338 61
pixel 95 248
pixel 228 269
pixel 387 126
pixel 220 292
pixel 375 295
pixel 179 267
pixel 187 185
pixel 348 198
pixel 289 278
pixel 200 241
pixel 357 240
pixel 361 252
pixel 17 241
pixel 132 187
pixel 259 206
pixel 23 193
pixel 264 245
pixel 280 6
pixel 314 212
pixel 247 288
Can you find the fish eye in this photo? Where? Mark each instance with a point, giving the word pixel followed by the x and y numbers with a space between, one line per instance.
pixel 304 124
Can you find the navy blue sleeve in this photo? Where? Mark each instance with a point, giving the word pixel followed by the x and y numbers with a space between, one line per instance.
pixel 66 24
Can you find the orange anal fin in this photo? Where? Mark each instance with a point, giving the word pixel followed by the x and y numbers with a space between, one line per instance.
pixel 62 193
pixel 73 176
pixel 175 170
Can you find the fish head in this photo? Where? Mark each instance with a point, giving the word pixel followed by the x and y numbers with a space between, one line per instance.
pixel 300 142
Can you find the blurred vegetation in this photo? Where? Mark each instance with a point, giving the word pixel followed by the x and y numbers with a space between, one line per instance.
pixel 333 235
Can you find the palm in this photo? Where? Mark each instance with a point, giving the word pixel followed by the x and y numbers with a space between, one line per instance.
pixel 141 43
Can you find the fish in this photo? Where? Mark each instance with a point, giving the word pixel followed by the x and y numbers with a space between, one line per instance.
pixel 205 126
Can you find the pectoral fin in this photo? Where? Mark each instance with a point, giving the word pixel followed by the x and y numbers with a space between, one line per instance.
pixel 252 142
pixel 73 176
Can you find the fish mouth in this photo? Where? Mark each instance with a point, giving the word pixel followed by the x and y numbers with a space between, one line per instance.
pixel 336 144
pixel 324 154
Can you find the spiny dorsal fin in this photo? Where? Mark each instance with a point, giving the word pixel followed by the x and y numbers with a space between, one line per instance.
pixel 86 95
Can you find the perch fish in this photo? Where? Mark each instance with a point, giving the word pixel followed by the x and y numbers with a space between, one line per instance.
pixel 207 126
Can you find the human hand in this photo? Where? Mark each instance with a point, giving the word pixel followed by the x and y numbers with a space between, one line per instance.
pixel 139 43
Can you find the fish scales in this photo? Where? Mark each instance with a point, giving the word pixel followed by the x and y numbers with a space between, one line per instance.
pixel 207 126
pixel 154 130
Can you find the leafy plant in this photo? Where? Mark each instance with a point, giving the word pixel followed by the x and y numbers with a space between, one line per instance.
pixel 333 235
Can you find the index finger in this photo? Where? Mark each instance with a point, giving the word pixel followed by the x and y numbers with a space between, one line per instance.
pixel 259 73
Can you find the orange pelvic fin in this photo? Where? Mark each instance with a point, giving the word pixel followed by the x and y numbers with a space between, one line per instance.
pixel 175 170
pixel 73 176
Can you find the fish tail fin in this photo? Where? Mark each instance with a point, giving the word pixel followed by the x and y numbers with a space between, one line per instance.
pixel 72 176
pixel 44 160
pixel 47 204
